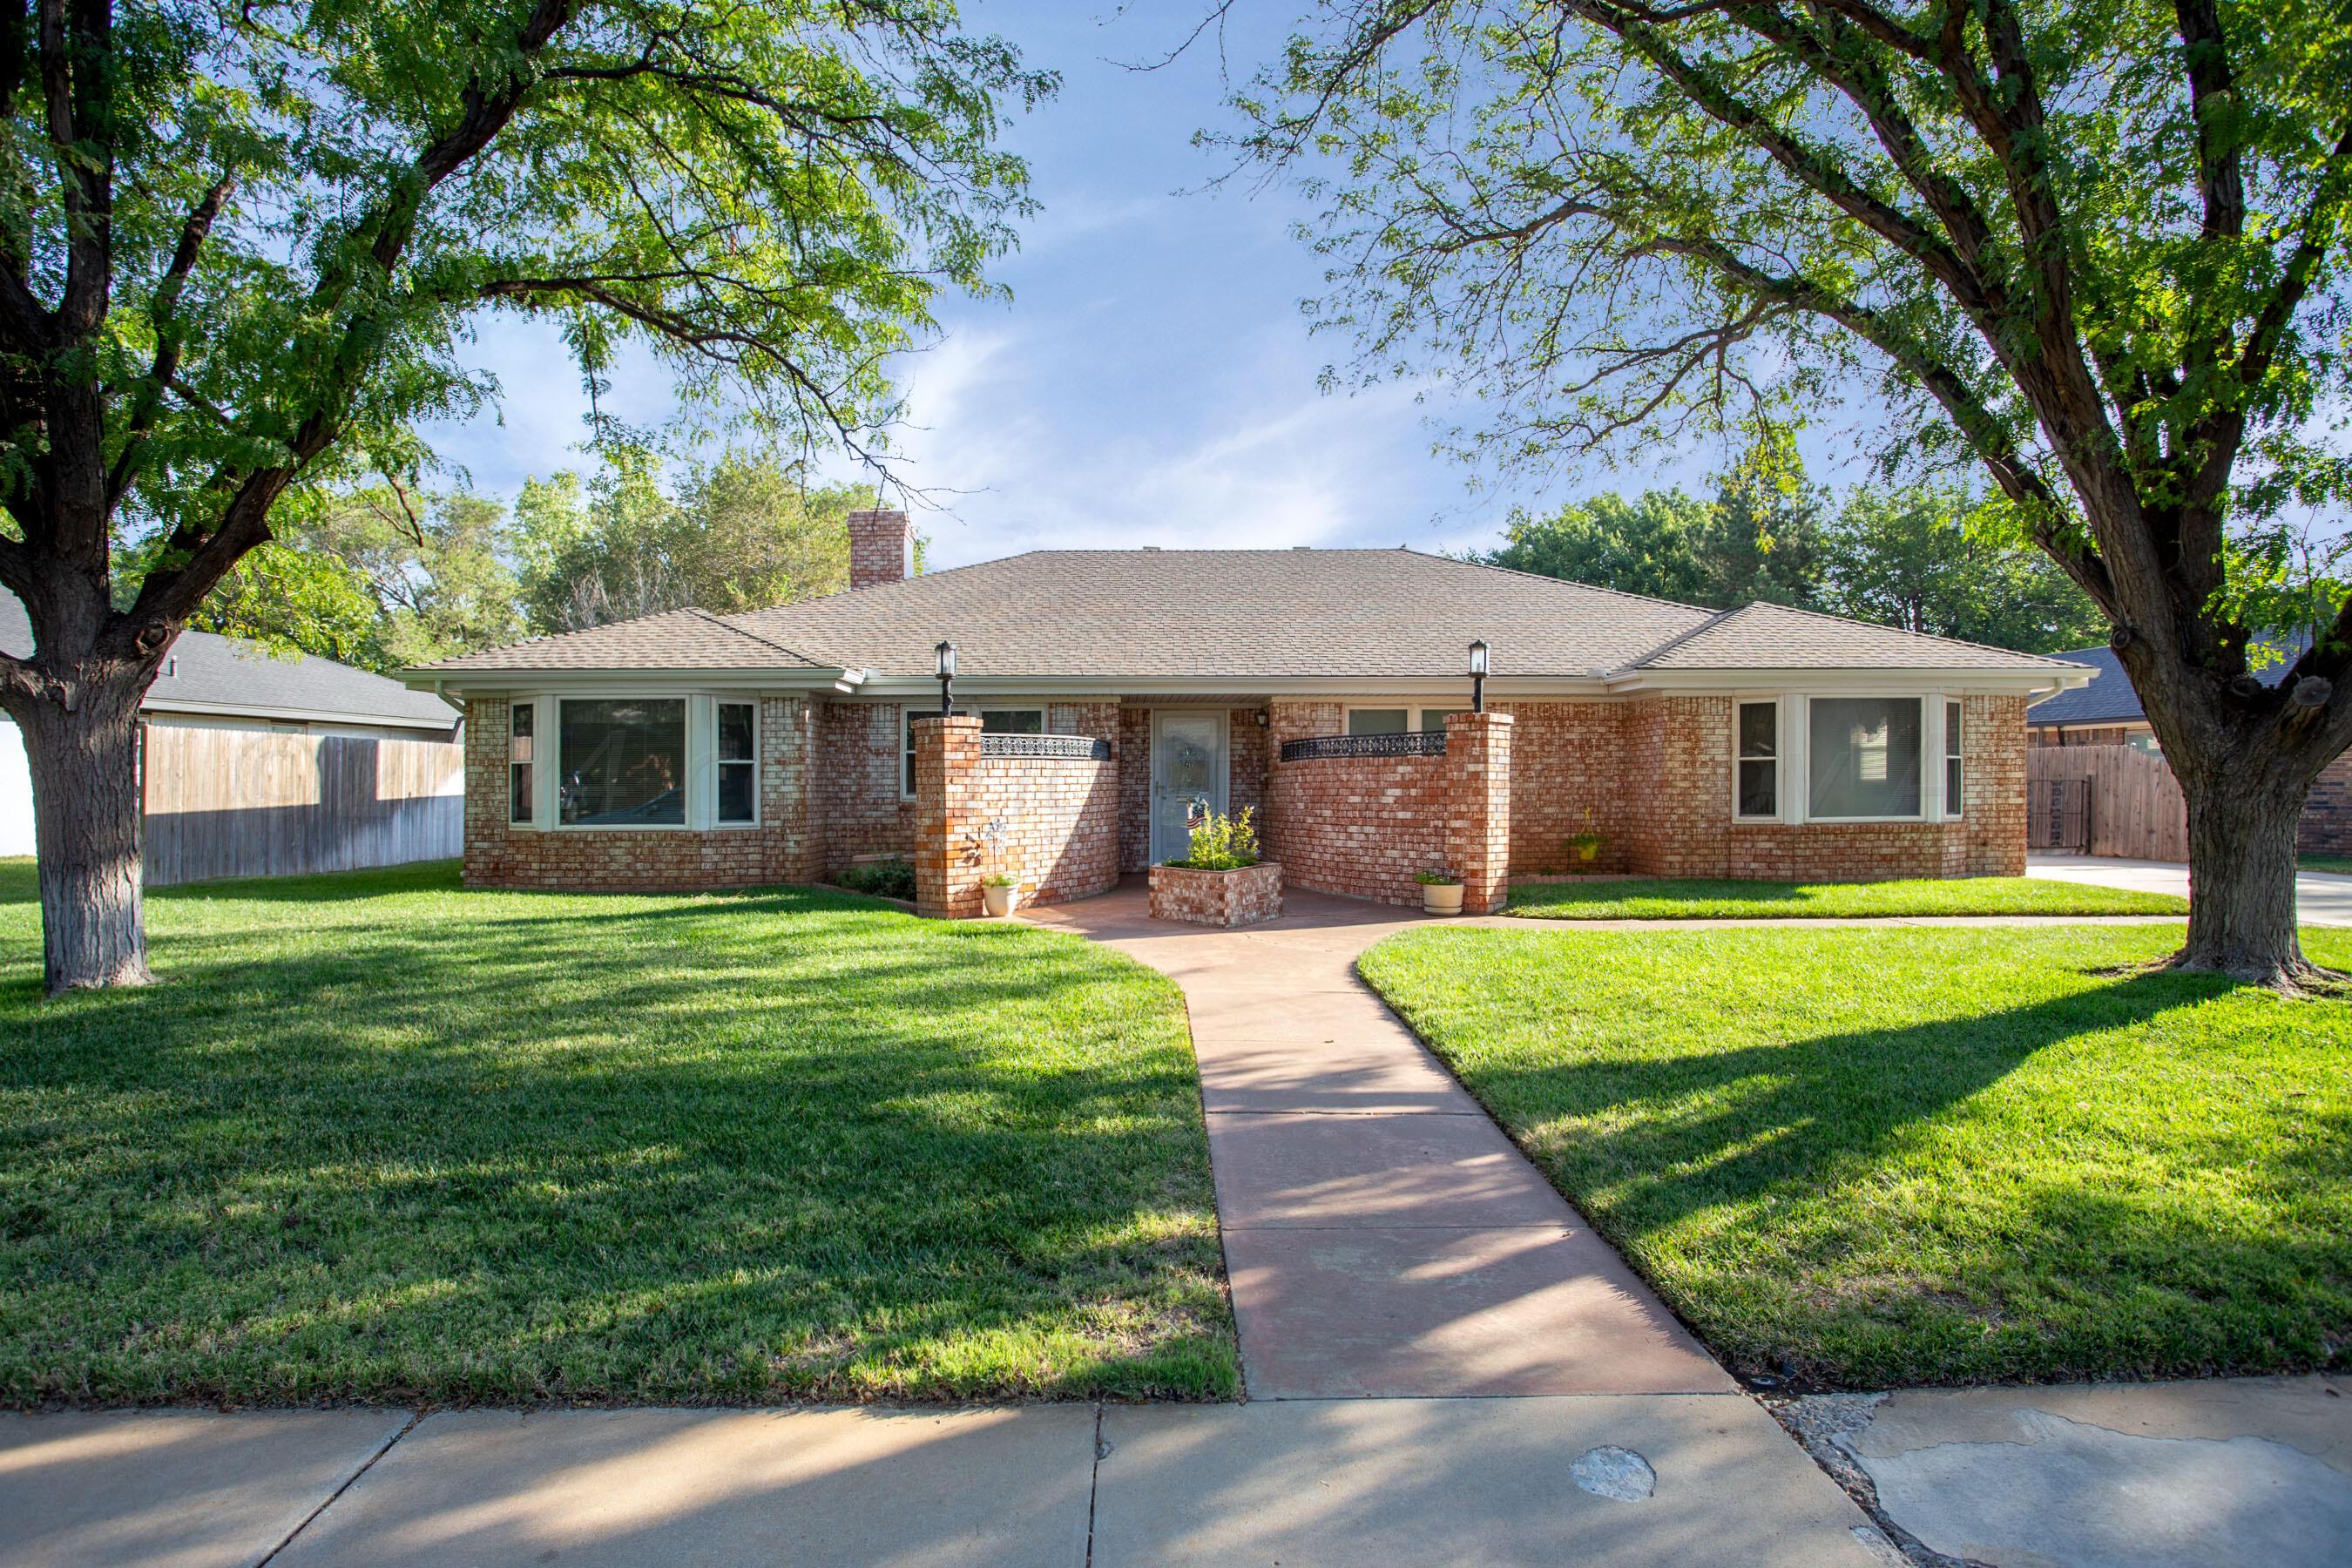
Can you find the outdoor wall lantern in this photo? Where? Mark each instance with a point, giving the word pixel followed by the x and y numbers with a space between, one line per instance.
pixel 1262 718
pixel 1479 676
pixel 945 652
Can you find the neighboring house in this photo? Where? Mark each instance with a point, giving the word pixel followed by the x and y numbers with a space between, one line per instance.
pixel 1116 690
pixel 2107 713
pixel 255 763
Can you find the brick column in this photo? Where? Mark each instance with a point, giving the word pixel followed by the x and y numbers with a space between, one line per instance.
pixel 1478 807
pixel 947 872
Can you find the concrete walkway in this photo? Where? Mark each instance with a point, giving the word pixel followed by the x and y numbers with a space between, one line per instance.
pixel 2321 898
pixel 1382 1236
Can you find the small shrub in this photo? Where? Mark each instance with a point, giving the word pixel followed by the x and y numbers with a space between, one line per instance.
pixel 1222 843
pixel 884 879
pixel 1437 878
pixel 999 879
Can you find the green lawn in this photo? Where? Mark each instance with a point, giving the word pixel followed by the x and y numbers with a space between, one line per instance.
pixel 2337 865
pixel 1665 898
pixel 380 1138
pixel 1920 1155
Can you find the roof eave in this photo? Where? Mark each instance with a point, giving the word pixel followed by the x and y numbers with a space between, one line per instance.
pixel 2028 680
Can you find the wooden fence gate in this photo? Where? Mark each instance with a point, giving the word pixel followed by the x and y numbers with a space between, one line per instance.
pixel 2058 816
pixel 2130 805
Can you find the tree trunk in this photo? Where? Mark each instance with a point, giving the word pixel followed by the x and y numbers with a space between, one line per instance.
pixel 2241 911
pixel 86 811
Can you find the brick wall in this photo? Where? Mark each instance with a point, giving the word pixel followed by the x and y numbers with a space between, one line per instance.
pixel 1566 758
pixel 1678 774
pixel 781 849
pixel 1359 826
pixel 2326 825
pixel 1364 827
pixel 1061 818
pixel 858 807
pixel 1479 793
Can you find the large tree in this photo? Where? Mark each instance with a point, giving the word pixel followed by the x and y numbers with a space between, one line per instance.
pixel 1924 558
pixel 243 244
pixel 1758 538
pixel 736 532
pixel 2093 248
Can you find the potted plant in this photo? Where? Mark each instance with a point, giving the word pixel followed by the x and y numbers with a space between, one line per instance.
pixel 1584 846
pixel 997 891
pixel 1441 892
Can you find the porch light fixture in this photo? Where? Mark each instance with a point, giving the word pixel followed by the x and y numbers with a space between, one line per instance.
pixel 945 652
pixel 1479 676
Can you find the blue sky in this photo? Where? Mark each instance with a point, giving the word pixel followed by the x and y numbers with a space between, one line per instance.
pixel 1152 380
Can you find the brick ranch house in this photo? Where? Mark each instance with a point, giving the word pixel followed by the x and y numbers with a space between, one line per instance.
pixel 1101 694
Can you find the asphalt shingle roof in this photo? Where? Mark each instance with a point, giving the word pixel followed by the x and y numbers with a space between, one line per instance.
pixel 2111 699
pixel 221 673
pixel 1235 615
pixel 1777 637
pixel 674 639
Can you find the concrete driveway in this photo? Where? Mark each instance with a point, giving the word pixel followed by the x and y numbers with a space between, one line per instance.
pixel 2323 900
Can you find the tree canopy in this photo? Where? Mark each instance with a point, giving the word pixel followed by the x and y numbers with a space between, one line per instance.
pixel 736 532
pixel 2091 251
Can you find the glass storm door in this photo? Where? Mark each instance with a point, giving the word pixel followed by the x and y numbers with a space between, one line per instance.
pixel 1188 775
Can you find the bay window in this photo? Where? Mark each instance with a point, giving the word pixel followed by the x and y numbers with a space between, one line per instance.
pixel 1864 757
pixel 623 762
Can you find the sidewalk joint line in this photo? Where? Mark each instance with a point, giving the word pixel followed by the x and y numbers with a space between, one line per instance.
pixel 1093 1481
pixel 406 1428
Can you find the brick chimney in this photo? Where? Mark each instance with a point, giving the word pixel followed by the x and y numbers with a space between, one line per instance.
pixel 881 548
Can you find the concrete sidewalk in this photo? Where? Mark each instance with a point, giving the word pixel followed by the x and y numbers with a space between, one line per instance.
pixel 2321 898
pixel 1297 1482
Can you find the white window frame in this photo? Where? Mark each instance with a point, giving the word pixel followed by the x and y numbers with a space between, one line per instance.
pixel 719 765
pixel 908 713
pixel 1952 748
pixel 701 783
pixel 1931 719
pixel 1779 758
pixel 529 759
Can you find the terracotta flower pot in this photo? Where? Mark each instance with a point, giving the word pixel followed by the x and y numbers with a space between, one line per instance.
pixel 1441 898
pixel 998 900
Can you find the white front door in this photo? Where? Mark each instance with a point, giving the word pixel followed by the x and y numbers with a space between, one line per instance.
pixel 1188 772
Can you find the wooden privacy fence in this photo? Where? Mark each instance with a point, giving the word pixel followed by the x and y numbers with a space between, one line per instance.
pixel 2134 804
pixel 257 803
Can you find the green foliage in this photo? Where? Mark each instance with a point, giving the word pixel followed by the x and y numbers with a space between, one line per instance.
pixel 1930 559
pixel 382 1139
pixel 1925 558
pixel 2092 251
pixel 884 879
pixel 377 577
pixel 1437 878
pixel 1924 1155
pixel 738 532
pixel 1222 843
pixel 266 234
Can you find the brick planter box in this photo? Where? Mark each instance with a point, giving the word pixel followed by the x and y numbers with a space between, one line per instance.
pixel 1239 897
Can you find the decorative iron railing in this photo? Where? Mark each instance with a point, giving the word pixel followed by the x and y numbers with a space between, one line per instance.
pixel 1062 747
pixel 1411 743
